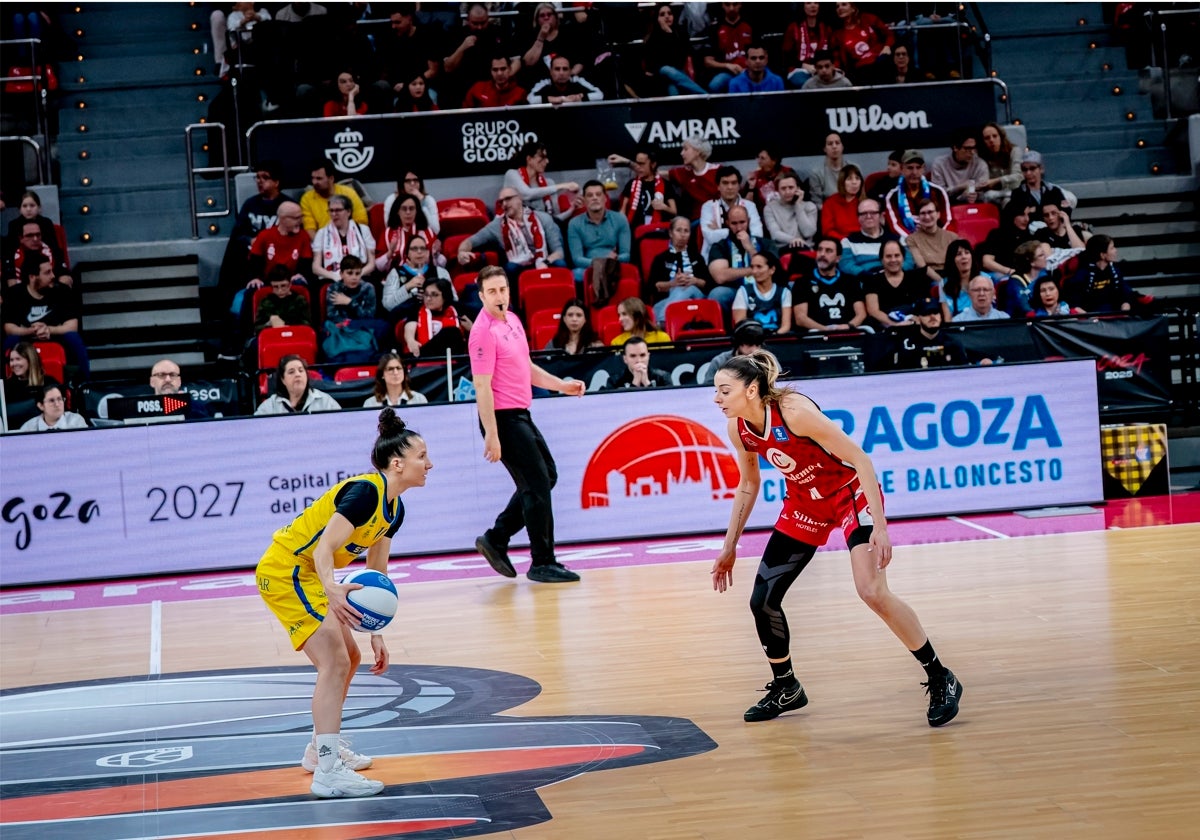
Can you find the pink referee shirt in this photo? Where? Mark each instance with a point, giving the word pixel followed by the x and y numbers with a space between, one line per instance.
pixel 500 349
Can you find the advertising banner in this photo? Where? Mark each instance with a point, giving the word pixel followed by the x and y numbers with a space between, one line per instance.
pixel 463 143
pixel 197 496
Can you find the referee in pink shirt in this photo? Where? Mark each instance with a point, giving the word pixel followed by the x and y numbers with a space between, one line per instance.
pixel 504 375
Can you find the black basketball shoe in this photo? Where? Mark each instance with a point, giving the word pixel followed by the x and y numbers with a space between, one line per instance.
pixel 782 696
pixel 944 693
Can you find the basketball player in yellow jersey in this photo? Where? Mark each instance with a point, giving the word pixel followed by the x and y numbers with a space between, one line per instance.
pixel 295 578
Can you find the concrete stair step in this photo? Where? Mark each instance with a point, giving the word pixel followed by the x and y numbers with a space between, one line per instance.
pixel 1070 166
pixel 179 68
pixel 1017 20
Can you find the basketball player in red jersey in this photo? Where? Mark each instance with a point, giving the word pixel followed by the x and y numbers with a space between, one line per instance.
pixel 831 482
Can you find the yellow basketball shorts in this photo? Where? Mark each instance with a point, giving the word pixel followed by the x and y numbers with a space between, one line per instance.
pixel 293 592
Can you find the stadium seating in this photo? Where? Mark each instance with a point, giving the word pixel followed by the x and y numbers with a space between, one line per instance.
pixel 648 249
pixel 459 216
pixel 686 319
pixel 375 221
pixel 543 324
pixel 539 288
pixel 276 342
pixel 53 358
pixel 355 373
pixel 264 291
pixel 606 323
pixel 973 222
pixel 630 284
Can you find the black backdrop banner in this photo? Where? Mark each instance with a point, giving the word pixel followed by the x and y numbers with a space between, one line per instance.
pixel 462 143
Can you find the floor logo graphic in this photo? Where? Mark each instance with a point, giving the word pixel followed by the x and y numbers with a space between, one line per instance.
pixel 211 754
pixel 662 455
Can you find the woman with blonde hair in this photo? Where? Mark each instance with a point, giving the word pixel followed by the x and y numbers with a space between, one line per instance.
pixel 635 320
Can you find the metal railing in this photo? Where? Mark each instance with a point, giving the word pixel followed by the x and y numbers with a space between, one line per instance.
pixel 225 171
pixel 25 139
pixel 40 95
pixel 1160 55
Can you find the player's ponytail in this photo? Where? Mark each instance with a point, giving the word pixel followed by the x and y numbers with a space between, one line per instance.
pixel 758 368
pixel 394 438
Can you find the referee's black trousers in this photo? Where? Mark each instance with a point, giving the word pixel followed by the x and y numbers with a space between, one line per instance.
pixel 525 455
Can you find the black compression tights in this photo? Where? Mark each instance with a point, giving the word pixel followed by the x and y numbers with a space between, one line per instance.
pixel 782 562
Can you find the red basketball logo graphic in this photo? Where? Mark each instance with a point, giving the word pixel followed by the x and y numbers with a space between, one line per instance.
pixel 658 456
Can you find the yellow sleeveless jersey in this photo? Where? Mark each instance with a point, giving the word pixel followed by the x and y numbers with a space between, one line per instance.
pixel 299 537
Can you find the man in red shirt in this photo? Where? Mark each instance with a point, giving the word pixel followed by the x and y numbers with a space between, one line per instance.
pixel 283 245
pixel 728 39
pixel 500 92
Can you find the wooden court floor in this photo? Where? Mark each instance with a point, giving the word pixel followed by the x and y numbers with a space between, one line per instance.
pixel 1079 655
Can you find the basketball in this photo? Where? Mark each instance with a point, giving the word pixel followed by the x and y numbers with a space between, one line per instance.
pixel 377 600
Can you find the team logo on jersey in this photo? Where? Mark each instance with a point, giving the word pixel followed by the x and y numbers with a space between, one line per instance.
pixel 659 455
pixel 227 745
pixel 779 433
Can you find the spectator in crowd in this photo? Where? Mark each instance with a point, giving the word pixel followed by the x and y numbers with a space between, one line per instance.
pixel 239 35
pixel 285 244
pixel 928 243
pixel 438 327
pixel 259 212
pixel 406 220
pixel 996 252
pixel 758 77
pixel 647 198
pixel 983 302
pixel 962 173
pixel 405 282
pixel 536 190
pixel 1047 299
pixel 314 204
pixel 54 416
pixel 551 39
pixel 790 220
pixel 392 386
pixel 638 373
pixel 729 259
pixel 696 178
pixel 407 50
pixel 959 266
pixel 1029 265
pixel 348 100
pixel 339 239
pixel 904 71
pixel 928 346
pixel 41 310
pixel 527 238
pixel 891 178
pixel 839 213
pixel 414 185
pixel 599 233
pixel 828 300
pixel 349 299
pixel 29 210
pixel 30 244
pixel 1004 165
pixel 414 97
pixel 802 40
pixel 760 184
pixel 1058 230
pixel 499 91
pixel 823 181
pixel 1036 191
pixel 747 337
pixel 864 45
pixel 903 202
pixel 283 307
pixel 761 298
pixel 826 75
pixel 166 378
pixel 726 53
pixel 1099 285
pixel 892 293
pixel 23 384
pixel 667 54
pixel 860 249
pixel 679 272
pixel 294 393
pixel 575 333
pixel 714 213
pixel 560 87
pixel 475 45
pixel 635 321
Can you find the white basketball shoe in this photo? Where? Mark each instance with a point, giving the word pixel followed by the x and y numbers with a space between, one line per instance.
pixel 341 781
pixel 353 760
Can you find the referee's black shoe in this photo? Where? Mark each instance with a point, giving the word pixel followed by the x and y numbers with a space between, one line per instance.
pixel 944 694
pixel 496 558
pixel 782 696
pixel 551 573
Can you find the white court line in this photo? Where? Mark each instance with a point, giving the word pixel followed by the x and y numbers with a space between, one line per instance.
pixel 156 637
pixel 977 527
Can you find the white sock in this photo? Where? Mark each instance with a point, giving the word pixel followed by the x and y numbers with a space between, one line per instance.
pixel 327 751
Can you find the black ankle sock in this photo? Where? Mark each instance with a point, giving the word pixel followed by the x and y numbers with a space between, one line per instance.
pixel 782 671
pixel 929 660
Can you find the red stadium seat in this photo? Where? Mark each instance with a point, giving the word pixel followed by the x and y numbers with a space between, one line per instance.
pixel 872 181
pixel 461 281
pixel 648 249
pixel 376 221
pixel 974 229
pixel 630 284
pixel 458 216
pixel 450 249
pixel 276 342
pixel 53 358
pixel 60 233
pixel 606 323
pixel 356 373
pixel 657 230
pixel 547 284
pixel 982 210
pixel 545 297
pixel 543 324
pixel 682 315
